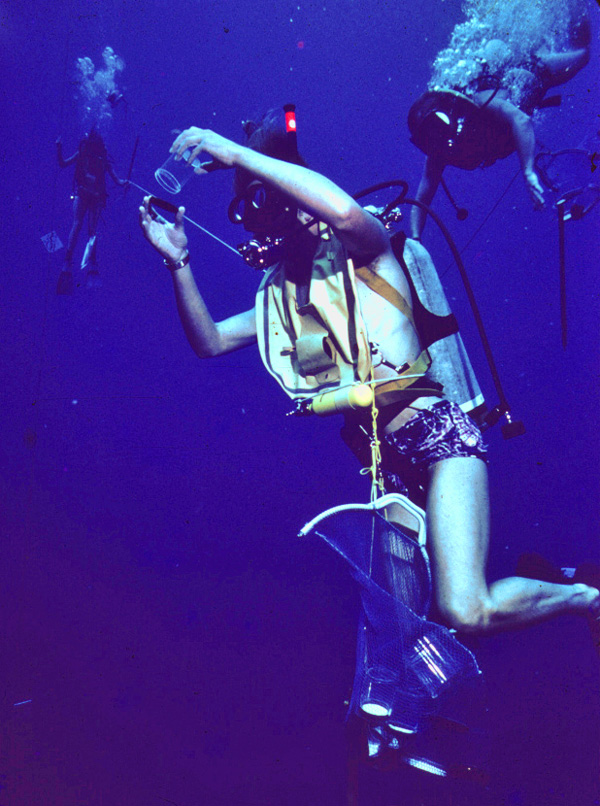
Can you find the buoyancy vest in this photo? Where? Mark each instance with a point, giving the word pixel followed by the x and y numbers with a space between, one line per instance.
pixel 311 336
pixel 90 169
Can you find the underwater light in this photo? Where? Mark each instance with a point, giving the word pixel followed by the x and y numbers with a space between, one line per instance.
pixel 426 766
pixel 377 692
pixel 401 728
pixel 375 709
pixel 290 118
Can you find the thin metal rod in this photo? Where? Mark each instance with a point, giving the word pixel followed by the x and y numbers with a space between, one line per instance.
pixel 562 272
pixel 195 223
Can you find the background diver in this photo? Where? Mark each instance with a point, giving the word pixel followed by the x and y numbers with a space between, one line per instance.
pixel 424 430
pixel 484 90
pixel 92 163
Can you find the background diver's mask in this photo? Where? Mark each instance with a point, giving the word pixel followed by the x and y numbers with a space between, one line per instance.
pixel 439 133
pixel 454 129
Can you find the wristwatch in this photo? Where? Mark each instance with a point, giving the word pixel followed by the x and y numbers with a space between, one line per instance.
pixel 173 265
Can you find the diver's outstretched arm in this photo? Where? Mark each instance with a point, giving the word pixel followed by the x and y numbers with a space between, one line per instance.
pixel 521 127
pixel 206 337
pixel 362 234
pixel 430 181
pixel 64 163
pixel 111 172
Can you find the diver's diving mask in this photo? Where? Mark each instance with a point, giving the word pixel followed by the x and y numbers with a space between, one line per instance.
pixel 439 132
pixel 263 210
pixel 272 218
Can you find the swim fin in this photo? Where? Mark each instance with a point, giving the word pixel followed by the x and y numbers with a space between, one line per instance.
pixel 64 285
pixel 89 253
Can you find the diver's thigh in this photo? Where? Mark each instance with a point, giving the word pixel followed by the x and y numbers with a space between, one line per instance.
pixel 458 523
pixel 78 209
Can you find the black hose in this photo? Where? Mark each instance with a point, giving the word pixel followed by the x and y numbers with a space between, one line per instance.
pixel 511 428
pixel 472 301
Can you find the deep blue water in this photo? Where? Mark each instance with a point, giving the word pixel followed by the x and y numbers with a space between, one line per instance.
pixel 177 642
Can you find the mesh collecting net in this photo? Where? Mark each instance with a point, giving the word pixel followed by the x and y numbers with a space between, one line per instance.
pixel 403 661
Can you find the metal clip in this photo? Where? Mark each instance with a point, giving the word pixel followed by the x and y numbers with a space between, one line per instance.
pixel 376 354
pixel 302 409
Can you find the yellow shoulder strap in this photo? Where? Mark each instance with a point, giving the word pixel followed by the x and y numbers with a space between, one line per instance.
pixel 381 286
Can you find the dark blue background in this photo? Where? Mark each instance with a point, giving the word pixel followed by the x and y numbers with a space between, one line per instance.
pixel 178 643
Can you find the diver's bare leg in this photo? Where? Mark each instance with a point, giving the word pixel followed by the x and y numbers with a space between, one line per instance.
pixel 89 255
pixel 78 215
pixel 93 218
pixel 458 536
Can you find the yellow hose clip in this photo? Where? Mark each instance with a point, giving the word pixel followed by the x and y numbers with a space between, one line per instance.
pixel 337 401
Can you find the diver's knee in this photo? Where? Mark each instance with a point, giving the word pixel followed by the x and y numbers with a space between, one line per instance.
pixel 467 614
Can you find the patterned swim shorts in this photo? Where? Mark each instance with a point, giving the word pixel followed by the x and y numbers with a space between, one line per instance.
pixel 442 432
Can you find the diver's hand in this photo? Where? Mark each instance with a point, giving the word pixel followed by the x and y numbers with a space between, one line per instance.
pixel 222 150
pixel 535 189
pixel 168 239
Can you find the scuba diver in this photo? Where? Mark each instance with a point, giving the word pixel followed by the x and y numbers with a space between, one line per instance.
pixel 484 92
pixel 336 307
pixel 115 98
pixel 92 163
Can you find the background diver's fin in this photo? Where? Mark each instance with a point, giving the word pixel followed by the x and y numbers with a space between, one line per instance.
pixel 92 279
pixel 64 285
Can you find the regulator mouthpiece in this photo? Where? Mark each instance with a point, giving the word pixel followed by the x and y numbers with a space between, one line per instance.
pixel 261 255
